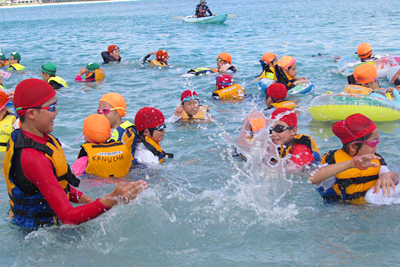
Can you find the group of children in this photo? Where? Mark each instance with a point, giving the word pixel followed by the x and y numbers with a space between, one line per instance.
pixel 41 183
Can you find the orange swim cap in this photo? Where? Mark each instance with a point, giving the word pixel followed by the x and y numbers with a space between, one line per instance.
pixel 257 124
pixel 161 55
pixel 365 73
pixel 3 99
pixel 226 56
pixel 268 57
pixel 96 128
pixel 286 61
pixel 117 101
pixel 364 50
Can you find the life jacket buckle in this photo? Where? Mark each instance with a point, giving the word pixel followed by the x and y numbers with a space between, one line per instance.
pixel 28 142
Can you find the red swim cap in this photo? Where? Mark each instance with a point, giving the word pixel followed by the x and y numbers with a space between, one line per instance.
pixel 277 91
pixel 353 127
pixel 148 118
pixel 224 81
pixel 190 94
pixel 290 116
pixel 31 93
pixel 161 55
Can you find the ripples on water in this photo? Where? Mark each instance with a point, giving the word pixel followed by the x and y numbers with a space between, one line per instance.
pixel 204 208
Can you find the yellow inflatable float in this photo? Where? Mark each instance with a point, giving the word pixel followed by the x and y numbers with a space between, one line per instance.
pixel 332 107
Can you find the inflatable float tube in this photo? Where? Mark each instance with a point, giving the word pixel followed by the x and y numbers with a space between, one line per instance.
pixel 301 89
pixel 332 107
pixel 217 19
pixel 347 64
pixel 5 74
pixel 391 72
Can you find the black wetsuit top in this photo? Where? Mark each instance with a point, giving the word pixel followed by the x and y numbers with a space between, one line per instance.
pixel 201 11
pixel 108 58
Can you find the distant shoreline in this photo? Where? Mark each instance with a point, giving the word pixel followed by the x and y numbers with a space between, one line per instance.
pixel 62 3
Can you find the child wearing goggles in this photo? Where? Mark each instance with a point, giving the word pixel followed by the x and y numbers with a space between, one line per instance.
pixel 190 108
pixel 150 127
pixel 299 149
pixel 113 106
pixel 224 63
pixel 355 173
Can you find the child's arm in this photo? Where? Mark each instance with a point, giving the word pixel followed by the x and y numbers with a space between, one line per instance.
pixel 385 181
pixel 325 172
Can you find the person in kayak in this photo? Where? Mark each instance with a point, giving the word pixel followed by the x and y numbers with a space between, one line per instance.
pixel 202 9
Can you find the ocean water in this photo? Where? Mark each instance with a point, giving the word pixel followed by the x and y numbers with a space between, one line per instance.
pixel 204 208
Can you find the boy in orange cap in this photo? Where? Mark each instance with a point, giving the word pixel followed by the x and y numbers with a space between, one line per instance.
pixel 150 126
pixel 7 120
pixel 39 180
pixel 99 157
pixel 299 149
pixel 224 63
pixel 364 52
pixel 161 58
pixel 190 108
pixel 275 97
pixel 286 71
pixel 268 62
pixel 111 55
pixel 113 107
pixel 356 173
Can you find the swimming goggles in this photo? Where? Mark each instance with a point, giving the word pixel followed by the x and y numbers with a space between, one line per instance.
pixel 279 129
pixel 11 58
pixel 51 107
pixel 106 111
pixel 372 143
pixel 161 127
pixel 194 97
pixel 220 59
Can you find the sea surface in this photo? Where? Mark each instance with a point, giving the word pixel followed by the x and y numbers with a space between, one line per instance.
pixel 204 207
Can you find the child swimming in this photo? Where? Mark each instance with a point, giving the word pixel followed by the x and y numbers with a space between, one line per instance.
pixel 190 108
pixel 355 173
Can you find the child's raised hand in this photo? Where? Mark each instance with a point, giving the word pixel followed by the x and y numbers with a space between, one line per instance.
pixel 178 111
pixel 385 182
pixel 364 161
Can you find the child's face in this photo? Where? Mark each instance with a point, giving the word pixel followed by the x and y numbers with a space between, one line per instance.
pixel 365 148
pixel 158 136
pixel 115 53
pixel 292 71
pixel 12 60
pixel 283 137
pixel 113 116
pixel 191 107
pixel 373 85
pixel 45 76
pixel 44 121
pixel 221 62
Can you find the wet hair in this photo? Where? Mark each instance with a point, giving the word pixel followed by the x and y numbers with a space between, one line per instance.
pixel 359 145
pixel 22 118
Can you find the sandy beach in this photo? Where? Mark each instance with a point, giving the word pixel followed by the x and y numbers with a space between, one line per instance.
pixel 63 3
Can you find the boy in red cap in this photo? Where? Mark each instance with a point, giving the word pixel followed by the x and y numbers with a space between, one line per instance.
pixel 99 157
pixel 190 108
pixel 225 88
pixel 150 126
pixel 160 61
pixel 111 55
pixel 275 97
pixel 300 149
pixel 39 180
pixel 355 173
